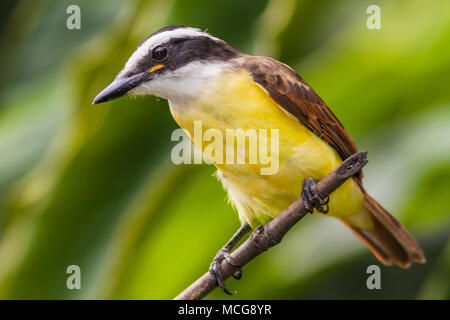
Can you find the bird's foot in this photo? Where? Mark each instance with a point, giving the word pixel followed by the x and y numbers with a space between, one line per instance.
pixel 224 254
pixel 311 199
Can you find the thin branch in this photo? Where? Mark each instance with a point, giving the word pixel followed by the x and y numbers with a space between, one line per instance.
pixel 271 234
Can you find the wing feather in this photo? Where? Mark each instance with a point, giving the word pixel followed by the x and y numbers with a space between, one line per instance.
pixel 296 97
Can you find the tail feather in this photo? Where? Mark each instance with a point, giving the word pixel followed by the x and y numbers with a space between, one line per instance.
pixel 388 240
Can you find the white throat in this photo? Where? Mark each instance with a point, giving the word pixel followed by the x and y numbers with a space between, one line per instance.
pixel 185 84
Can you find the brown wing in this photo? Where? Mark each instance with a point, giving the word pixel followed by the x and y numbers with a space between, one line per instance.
pixel 295 96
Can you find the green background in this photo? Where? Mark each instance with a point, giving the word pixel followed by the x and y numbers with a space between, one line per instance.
pixel 94 186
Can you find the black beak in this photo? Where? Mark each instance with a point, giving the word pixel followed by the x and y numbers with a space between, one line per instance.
pixel 120 87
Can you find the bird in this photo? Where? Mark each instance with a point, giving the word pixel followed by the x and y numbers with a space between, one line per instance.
pixel 206 79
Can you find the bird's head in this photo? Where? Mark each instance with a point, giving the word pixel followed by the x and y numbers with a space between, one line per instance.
pixel 172 63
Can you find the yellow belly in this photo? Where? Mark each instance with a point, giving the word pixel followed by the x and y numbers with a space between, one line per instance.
pixel 237 102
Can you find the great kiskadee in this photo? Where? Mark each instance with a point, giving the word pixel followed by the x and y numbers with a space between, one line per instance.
pixel 205 79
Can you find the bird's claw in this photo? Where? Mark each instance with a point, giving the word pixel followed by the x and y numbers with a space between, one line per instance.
pixel 224 254
pixel 311 199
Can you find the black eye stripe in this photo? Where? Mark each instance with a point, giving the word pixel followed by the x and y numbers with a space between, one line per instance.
pixel 179 40
pixel 180 51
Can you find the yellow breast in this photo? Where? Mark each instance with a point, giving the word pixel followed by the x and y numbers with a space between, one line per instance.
pixel 234 101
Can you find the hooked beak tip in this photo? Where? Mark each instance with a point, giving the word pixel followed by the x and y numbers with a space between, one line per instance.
pixel 104 96
pixel 120 87
pixel 98 100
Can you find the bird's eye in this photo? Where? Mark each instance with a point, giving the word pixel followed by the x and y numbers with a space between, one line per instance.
pixel 159 53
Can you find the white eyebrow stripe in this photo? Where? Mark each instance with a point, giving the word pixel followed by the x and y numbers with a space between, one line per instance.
pixel 160 38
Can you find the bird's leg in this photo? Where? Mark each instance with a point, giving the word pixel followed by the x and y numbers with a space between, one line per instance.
pixel 311 199
pixel 225 253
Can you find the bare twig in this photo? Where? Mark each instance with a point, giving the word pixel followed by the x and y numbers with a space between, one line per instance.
pixel 271 234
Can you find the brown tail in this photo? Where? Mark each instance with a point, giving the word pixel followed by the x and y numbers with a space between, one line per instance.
pixel 388 240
